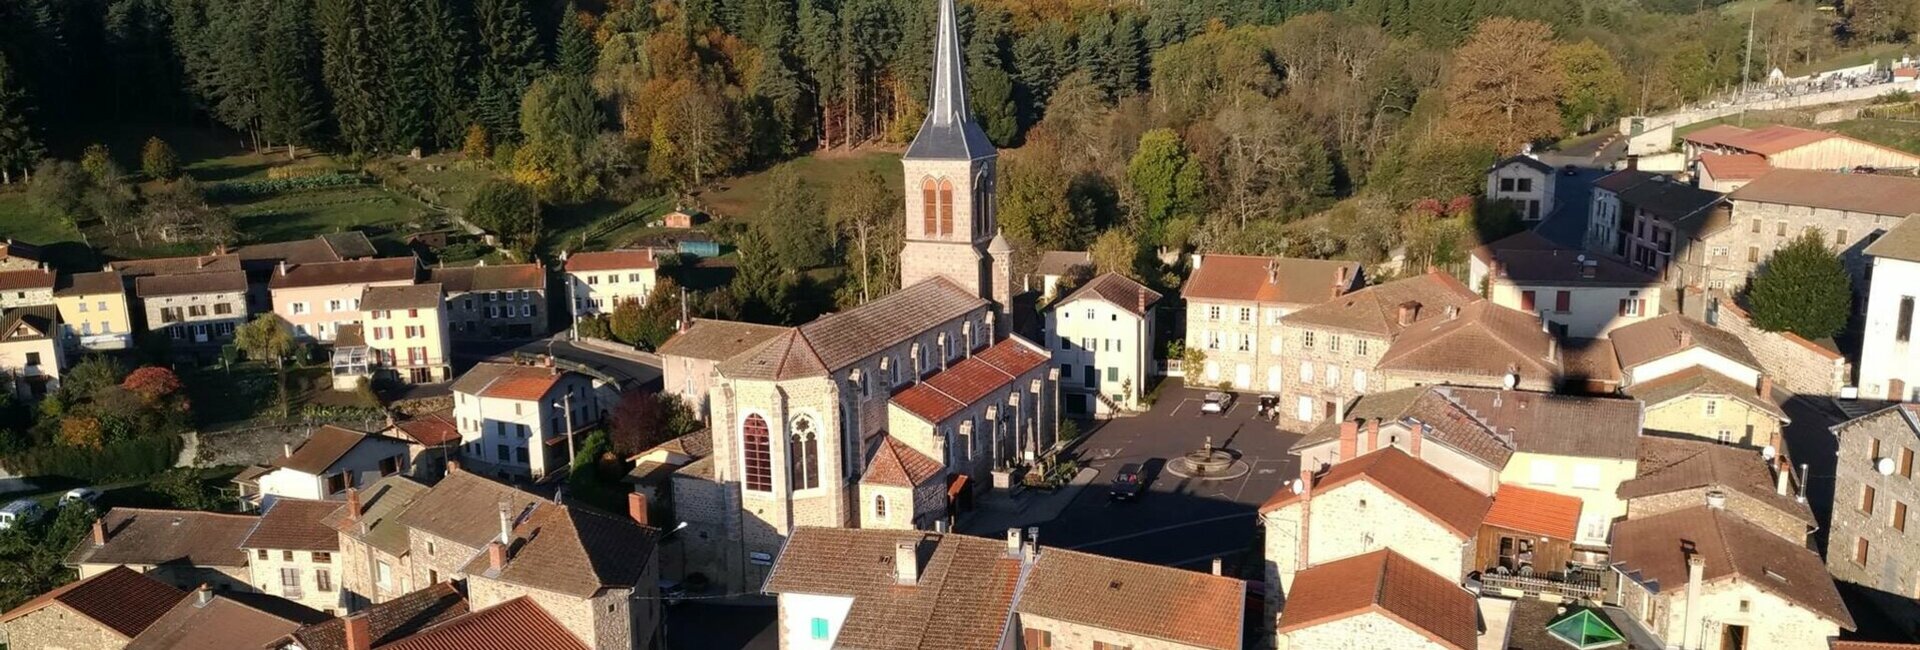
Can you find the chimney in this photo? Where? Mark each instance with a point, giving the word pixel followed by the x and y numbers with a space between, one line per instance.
pixel 1633 162
pixel 202 595
pixel 1141 300
pixel 1716 500
pixel 1195 261
pixel 453 464
pixel 906 563
pixel 353 504
pixel 1013 543
pixel 1766 387
pixel 1305 488
pixel 281 268
pixel 1273 272
pixel 1373 433
pixel 1499 269
pixel 637 508
pixel 1589 268
pixel 1032 544
pixel 496 556
pixel 1409 311
pixel 1216 566
pixel 1349 440
pixel 359 632
pixel 506 525
pixel 1783 480
pixel 100 532
pixel 1686 339
pixel 1415 434
pixel 286 450
pixel 1696 574
pixel 1452 312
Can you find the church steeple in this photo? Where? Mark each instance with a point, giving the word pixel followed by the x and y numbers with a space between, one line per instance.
pixel 949 132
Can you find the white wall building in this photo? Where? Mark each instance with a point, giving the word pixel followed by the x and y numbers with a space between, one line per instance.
pixel 330 461
pixel 1102 339
pixel 1524 181
pixel 521 421
pixel 1889 359
pixel 598 282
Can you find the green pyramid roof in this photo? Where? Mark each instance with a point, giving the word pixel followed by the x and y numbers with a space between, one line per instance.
pixel 1584 629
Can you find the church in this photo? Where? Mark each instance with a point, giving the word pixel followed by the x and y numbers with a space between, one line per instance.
pixel 887 415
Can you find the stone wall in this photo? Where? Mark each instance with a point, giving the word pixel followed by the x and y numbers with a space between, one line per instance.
pixel 1893 560
pixel 1074 636
pixel 358 577
pixel 1368 631
pixel 1796 364
pixel 1732 254
pixel 1341 364
pixel 58 628
pixel 1753 510
pixel 1742 423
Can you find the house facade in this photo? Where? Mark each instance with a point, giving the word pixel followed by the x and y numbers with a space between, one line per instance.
pixel 93 306
pixel 599 281
pixel 1331 349
pixel 521 421
pixel 687 359
pixel 1104 335
pixel 317 299
pixel 193 309
pixel 329 462
pixel 32 351
pixel 1889 360
pixel 1526 183
pixel 102 612
pixel 495 303
pixel 26 288
pixel 1847 211
pixel 293 554
pixel 1873 491
pixel 1234 307
pixel 405 330
pixel 1577 294
pixel 183 548
pixel 1651 221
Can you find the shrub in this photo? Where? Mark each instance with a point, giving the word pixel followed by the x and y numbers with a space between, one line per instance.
pixel 126 459
pixel 261 187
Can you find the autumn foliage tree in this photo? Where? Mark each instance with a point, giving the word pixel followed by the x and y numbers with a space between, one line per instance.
pixel 1503 86
pixel 643 419
pixel 152 383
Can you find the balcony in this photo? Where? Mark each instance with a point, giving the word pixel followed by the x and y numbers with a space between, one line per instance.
pixel 1576 582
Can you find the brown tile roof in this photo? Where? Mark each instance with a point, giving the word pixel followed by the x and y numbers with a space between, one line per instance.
pixel 1872 645
pixel 1674 464
pixel 517 624
pixel 1653 551
pixel 392 269
pixel 573 551
pixel 1389 584
pixel 412 296
pixel 326 446
pixel 1443 499
pixel 31 323
pixel 1658 194
pixel 26 279
pixel 1284 280
pixel 350 244
pixel 1902 242
pixel 1447 423
pixel 1185 607
pixel 1870 193
pixel 1744 166
pixel 349 335
pixel 949 391
pixel 1774 138
pixel 1535 511
pixel 714 340
pixel 86 284
pixel 1716 135
pixel 1669 334
pixel 295 525
pixel 300 251
pixel 1480 340
pixel 465 508
pixel 611 261
pixel 508 381
pixel 389 621
pixel 229 620
pixel 894 463
pixel 187 284
pixel 1526 160
pixel 962 600
pixel 1118 290
pixel 462 279
pixel 143 536
pixel 120 599
pixel 1529 259
pixel 1698 380
pixel 430 429
pixel 1558 425
pixel 175 265
pixel 842 339
pixel 1375 310
pixel 1590 360
pixel 1061 262
pixel 381 503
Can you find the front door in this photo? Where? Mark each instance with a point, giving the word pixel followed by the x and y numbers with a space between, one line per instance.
pixel 1733 637
pixel 1243 376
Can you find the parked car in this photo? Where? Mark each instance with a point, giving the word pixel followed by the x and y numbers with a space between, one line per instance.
pixel 20 513
pixel 1269 406
pixel 1569 170
pixel 1216 403
pixel 1127 484
pixel 84 495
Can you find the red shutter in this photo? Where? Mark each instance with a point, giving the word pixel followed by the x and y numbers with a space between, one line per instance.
pixel 1526 301
pixel 1622 309
pixel 1563 302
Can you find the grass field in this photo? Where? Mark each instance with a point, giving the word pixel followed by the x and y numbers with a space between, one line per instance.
pixel 739 198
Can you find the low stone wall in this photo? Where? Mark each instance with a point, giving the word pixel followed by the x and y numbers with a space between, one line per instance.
pixel 256 444
pixel 1796 364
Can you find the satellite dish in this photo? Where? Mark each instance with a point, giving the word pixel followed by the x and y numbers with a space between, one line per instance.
pixel 1581 258
pixel 1884 466
pixel 1768 452
pixel 1298 486
pixel 1511 380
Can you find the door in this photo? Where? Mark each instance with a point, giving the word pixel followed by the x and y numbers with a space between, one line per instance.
pixel 1090 380
pixel 1243 376
pixel 1733 637
pixel 1306 409
pixel 1273 379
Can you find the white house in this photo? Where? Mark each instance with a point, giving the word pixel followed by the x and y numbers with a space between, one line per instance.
pixel 1889 361
pixel 325 465
pixel 32 353
pixel 1102 341
pixel 1663 346
pixel 1575 293
pixel 520 421
pixel 598 282
pixel 1524 181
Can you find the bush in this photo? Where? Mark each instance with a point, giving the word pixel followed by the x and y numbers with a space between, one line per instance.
pixel 1803 289
pixel 132 458
pixel 261 187
pixel 1069 430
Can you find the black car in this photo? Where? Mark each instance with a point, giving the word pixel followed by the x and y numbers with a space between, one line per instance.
pixel 1128 484
pixel 1569 170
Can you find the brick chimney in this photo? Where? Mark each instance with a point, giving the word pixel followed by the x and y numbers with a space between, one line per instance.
pixel 1349 440
pixel 1415 434
pixel 1409 311
pixel 1373 432
pixel 637 508
pixel 99 532
pixel 1141 300
pixel 906 563
pixel 359 632
pixel 353 504
pixel 1766 387
pixel 496 556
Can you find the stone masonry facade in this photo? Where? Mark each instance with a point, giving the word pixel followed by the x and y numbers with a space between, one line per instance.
pixel 58 628
pixel 1350 520
pixel 1892 562
pixel 1328 369
pixel 1727 258
pixel 1796 364
pixel 1074 636
pixel 1365 631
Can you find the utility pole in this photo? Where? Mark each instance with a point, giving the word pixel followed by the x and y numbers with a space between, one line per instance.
pixel 566 402
pixel 1746 63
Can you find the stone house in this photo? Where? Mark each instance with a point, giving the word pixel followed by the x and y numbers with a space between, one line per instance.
pixel 902 489
pixel 1481 344
pixel 381 624
pixel 1080 601
pixel 262 261
pixel 687 360
pixel 521 421
pixel 375 550
pixel 1234 307
pixel 1581 447
pixel 1380 600
pixel 1055 268
pixel 405 330
pixel 520 623
pixel 1848 211
pixel 101 612
pixel 94 308
pixel 506 302
pixel 183 548
pixel 1526 183
pixel 1332 348
pixel 1103 335
pixel 1889 361
pixel 33 353
pixel 198 309
pixel 294 554
pixel 1703 403
pixel 1873 490
pixel 594 573
pixel 1681 473
pixel 26 288
pixel 316 299
pixel 208 618
pixel 598 282
pixel 1672 343
pixel 1705 577
pixel 1652 221
pixel 433 442
pixel 1452 439
pixel 331 460
pixel 1577 294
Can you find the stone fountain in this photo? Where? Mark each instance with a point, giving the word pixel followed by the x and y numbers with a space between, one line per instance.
pixel 1208 463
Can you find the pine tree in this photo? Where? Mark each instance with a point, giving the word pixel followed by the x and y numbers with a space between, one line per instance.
pixel 574 50
pixel 351 71
pixel 19 149
pixel 509 57
pixel 403 91
pixel 290 111
pixel 443 38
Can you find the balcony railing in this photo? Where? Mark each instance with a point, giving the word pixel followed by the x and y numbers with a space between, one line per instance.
pixel 1570 584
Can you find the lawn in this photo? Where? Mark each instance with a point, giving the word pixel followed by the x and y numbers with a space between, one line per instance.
pixel 18 223
pixel 297 215
pixel 740 197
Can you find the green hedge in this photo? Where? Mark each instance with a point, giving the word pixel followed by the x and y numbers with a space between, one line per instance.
pixel 126 459
pixel 259 187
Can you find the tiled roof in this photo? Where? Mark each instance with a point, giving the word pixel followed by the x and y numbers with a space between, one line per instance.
pixel 1674 464
pixel 120 599
pixel 610 261
pixel 461 279
pixel 1375 310
pixel 465 508
pixel 187 284
pixel 1589 360
pixel 1870 193
pixel 838 340
pixel 1539 512
pixel 508 381
pixel 1902 242
pixel 1774 138
pixel 1479 340
pixel 26 279
pixel 1872 645
pixel 412 296
pixel 1061 262
pixel 1557 425
pixel 1528 161
pixel 714 340
pixel 350 244
pixel 1443 499
pixel 1190 608
pixel 1716 135
pixel 392 269
pixel 86 284
pixel 389 621
pixel 1118 290
pixel 30 323
pixel 1653 551
pixel 299 251
pixel 1283 280
pixel 894 463
pixel 229 620
pixel 972 379
pixel 517 624
pixel 1658 194
pixel 327 446
pixel 381 504
pixel 961 602
pixel 430 429
pixel 188 537
pixel 1668 334
pixel 1391 585
pixel 295 525
pixel 1447 422
pixel 175 265
pixel 1697 380
pixel 573 551
pixel 1744 166
pixel 1529 259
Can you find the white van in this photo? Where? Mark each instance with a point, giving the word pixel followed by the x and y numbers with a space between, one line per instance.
pixel 20 512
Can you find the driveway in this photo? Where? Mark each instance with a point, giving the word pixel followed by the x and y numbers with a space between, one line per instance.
pixel 1572 201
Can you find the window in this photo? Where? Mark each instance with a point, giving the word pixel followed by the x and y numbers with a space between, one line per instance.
pixel 1506 185
pixel 1306 371
pixel 290 582
pixel 1359 380
pixel 1840 238
pixel 1102 645
pixel 1586 477
pixel 819 629
pixel 1631 307
pixel 299 308
pixel 1526 301
pixel 333 305
pixel 1333 376
pixel 1306 340
pixel 1066 371
pixel 504 452
pixel 1780 228
pixel 1904 330
pixel 1360 347
pixel 382 574
pixel 261 554
pixel 322 557
pixel 1753 254
pixel 1038 639
pixel 1113 374
pixel 33 358
pixel 1246 314
pixel 1906 463
pixel 1333 342
pixel 1873 449
pixel 1213 312
pixel 758 453
pixel 323 580
pixel 803 449
pixel 1866 499
pixel 1563 301
pixel 946 207
pixel 1523 184
pixel 880 506
pixel 1756 226
pixel 1899 521
pixel 1246 342
pixel 1541 472
pixel 1860 550
pixel 1712 408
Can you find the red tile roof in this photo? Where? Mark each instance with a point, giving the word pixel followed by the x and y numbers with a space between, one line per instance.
pixel 1870 193
pixel 1535 511
pixel 431 429
pixel 517 624
pixel 967 382
pixel 1190 608
pixel 1744 166
pixel 28 279
pixel 389 621
pixel 297 525
pixel 1769 140
pixel 1389 584
pixel 1443 499
pixel 120 599
pixel 962 600
pixel 392 269
pixel 894 463
pixel 610 261
pixel 1715 135
pixel 508 381
pixel 1268 279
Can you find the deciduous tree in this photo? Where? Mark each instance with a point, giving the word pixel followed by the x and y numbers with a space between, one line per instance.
pixel 1502 86
pixel 508 209
pixel 1166 180
pixel 157 160
pixel 867 214
pixel 1593 87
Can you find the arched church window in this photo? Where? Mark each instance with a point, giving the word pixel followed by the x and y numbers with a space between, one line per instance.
pixel 929 206
pixel 880 507
pixel 803 452
pixel 946 207
pixel 757 454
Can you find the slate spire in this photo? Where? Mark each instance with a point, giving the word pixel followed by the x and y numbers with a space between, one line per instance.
pixel 949 132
